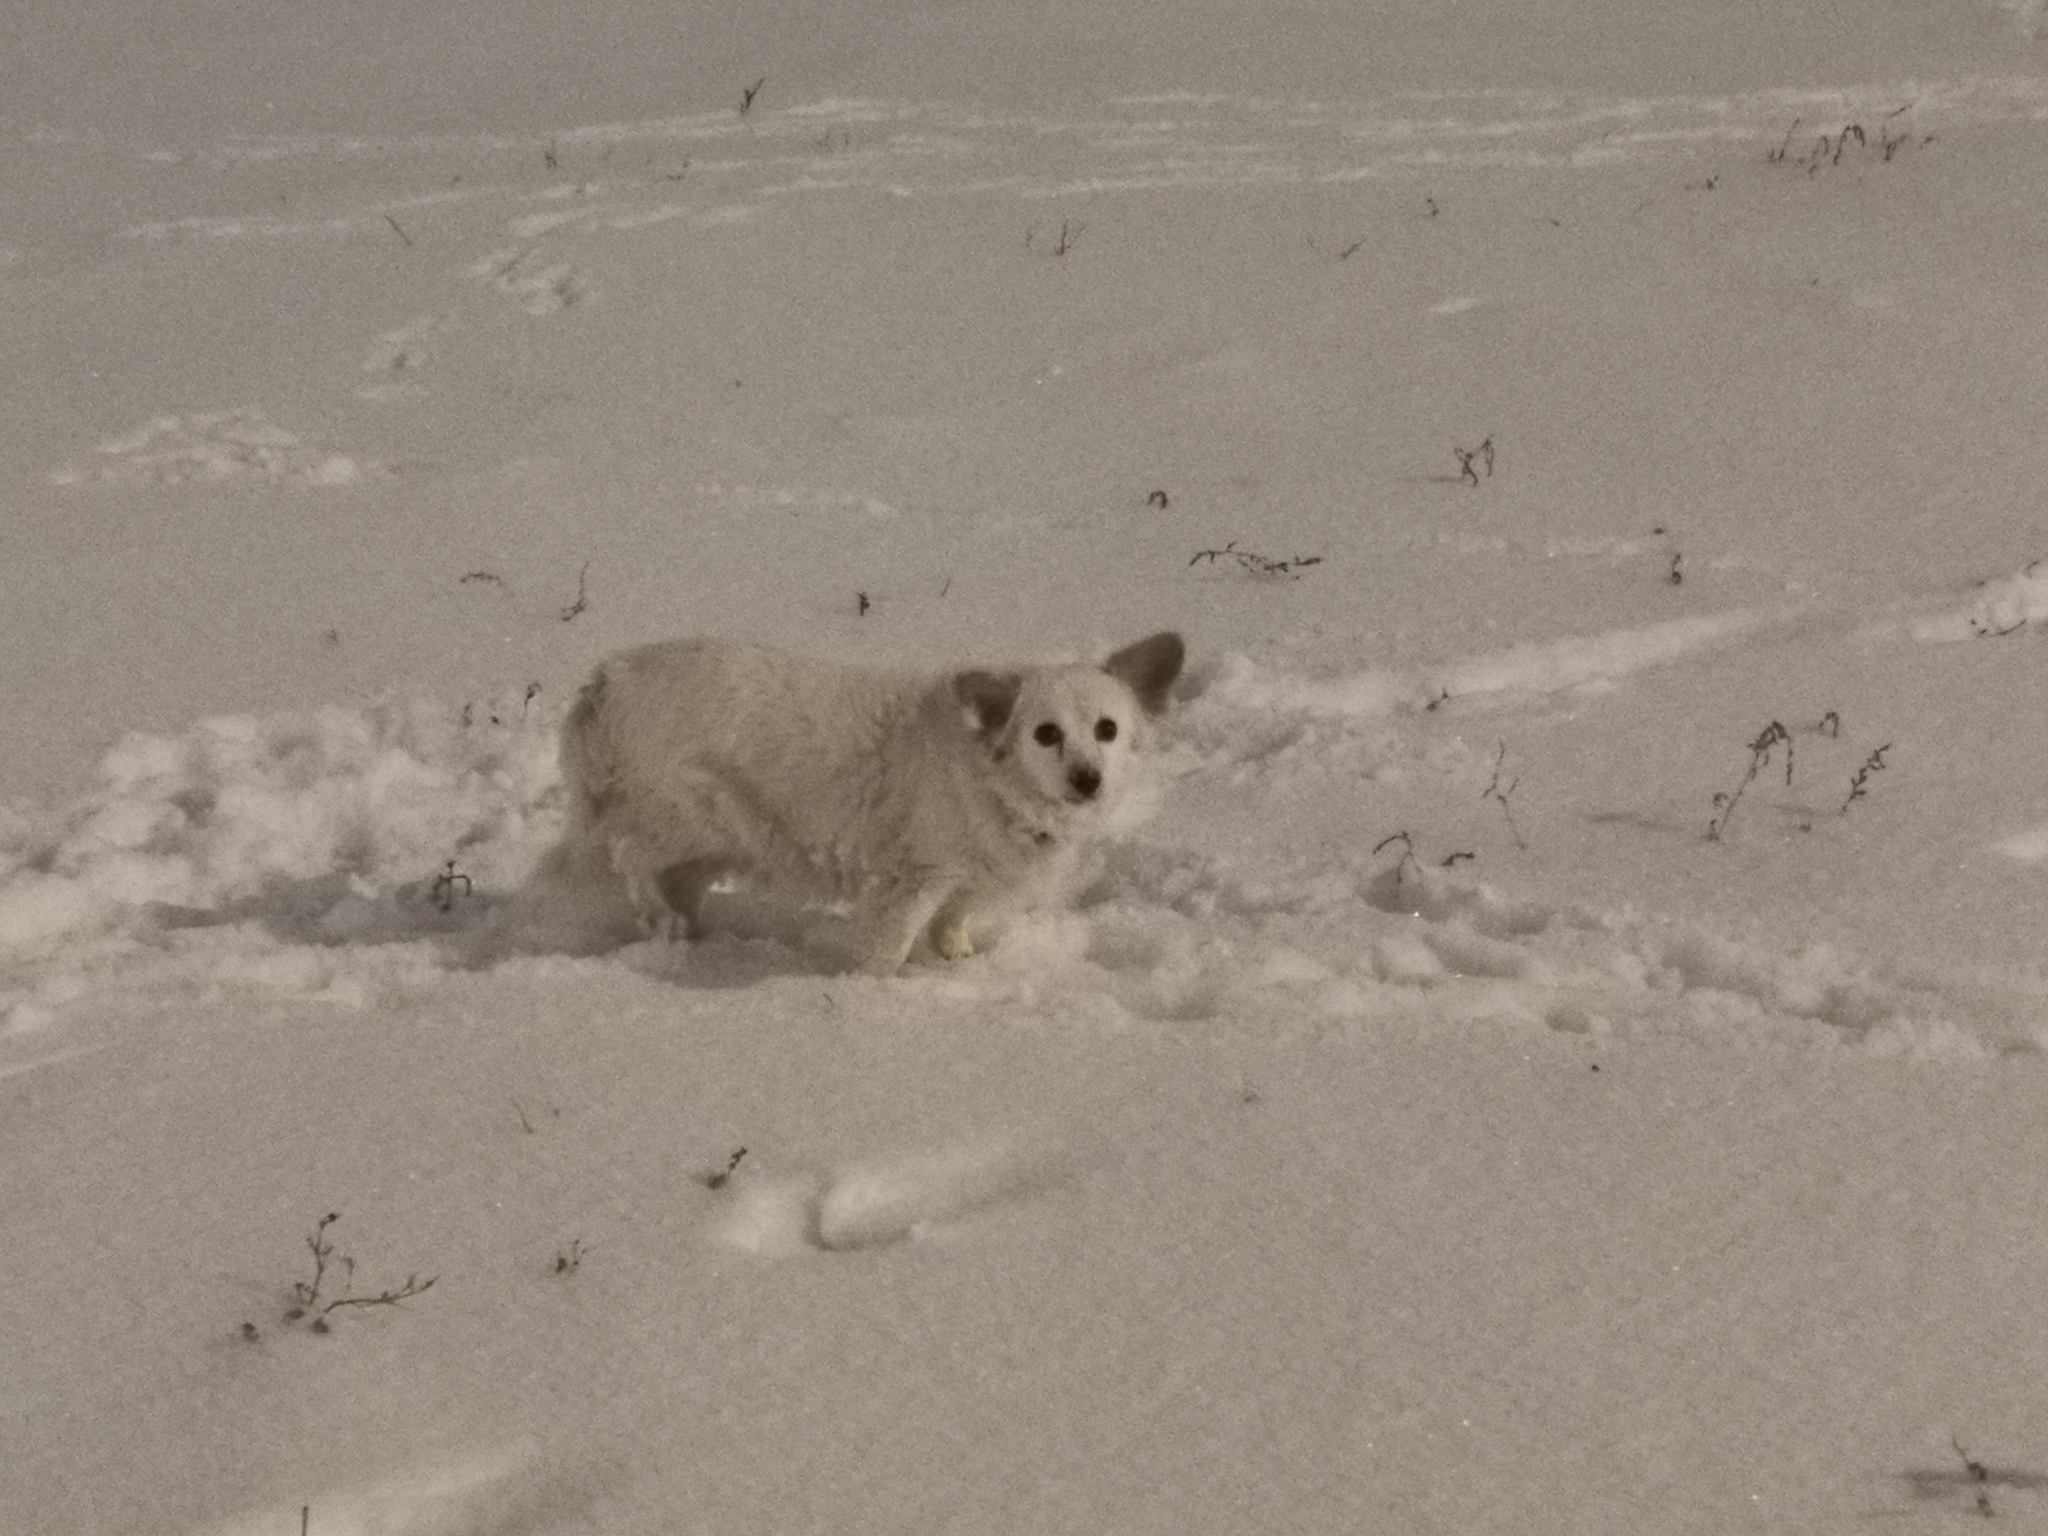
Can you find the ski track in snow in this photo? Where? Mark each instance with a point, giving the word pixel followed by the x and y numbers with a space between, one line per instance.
pixel 698 172
pixel 1173 139
pixel 736 170
pixel 690 174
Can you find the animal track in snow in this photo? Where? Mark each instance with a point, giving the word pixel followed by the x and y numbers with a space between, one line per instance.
pixel 539 286
pixel 2001 607
pixel 216 446
pixel 493 1490
pixel 2027 17
pixel 885 1200
pixel 290 852
pixel 797 499
pixel 396 356
pixel 2029 847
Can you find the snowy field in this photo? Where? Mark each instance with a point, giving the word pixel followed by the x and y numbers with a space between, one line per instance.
pixel 1562 1049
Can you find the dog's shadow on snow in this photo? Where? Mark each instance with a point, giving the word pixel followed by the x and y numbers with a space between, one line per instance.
pixel 749 939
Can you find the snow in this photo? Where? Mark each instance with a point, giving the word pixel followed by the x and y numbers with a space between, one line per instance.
pixel 1417 1122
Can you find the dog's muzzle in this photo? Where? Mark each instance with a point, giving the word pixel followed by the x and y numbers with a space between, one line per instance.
pixel 1085 782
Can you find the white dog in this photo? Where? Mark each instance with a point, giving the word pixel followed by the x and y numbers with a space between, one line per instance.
pixel 932 805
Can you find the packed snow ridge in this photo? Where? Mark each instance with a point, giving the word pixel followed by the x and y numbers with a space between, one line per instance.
pixel 338 852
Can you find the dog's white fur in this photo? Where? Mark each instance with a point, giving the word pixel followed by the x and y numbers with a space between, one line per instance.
pixel 932 804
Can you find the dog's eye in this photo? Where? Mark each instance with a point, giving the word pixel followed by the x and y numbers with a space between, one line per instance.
pixel 1105 729
pixel 1047 735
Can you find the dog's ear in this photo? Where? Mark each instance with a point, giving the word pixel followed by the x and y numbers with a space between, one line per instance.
pixel 989 696
pixel 1149 668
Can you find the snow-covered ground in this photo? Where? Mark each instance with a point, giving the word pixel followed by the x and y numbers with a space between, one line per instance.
pixel 1565 1051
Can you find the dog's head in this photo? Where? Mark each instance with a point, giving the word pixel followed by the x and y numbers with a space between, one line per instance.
pixel 1067 735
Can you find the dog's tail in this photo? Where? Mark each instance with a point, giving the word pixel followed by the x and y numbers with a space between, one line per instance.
pixel 590 775
pixel 574 901
pixel 590 769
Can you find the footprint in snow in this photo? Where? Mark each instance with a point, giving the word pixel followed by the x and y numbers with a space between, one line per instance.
pixel 396 358
pixel 215 446
pixel 872 1204
pixel 498 1490
pixel 538 286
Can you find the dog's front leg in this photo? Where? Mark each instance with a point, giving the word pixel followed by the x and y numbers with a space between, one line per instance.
pixel 948 931
pixel 658 919
pixel 892 920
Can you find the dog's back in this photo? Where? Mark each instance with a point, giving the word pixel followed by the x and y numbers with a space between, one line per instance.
pixel 796 740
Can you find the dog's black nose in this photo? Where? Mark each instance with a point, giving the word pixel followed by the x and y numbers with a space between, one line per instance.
pixel 1085 781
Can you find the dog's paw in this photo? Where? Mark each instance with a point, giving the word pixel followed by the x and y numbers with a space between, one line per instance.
pixel 658 920
pixel 659 923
